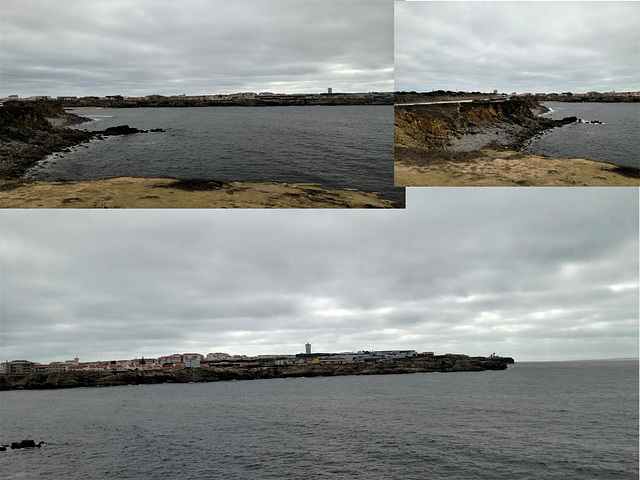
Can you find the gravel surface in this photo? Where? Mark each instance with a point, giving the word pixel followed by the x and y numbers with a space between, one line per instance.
pixel 502 133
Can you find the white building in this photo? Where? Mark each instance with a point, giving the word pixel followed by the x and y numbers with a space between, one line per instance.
pixel 192 360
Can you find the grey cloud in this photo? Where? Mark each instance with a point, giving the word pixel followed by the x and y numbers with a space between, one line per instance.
pixel 195 46
pixel 466 270
pixel 521 46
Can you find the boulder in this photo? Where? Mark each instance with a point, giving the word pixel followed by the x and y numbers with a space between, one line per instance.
pixel 121 130
pixel 25 444
pixel 568 120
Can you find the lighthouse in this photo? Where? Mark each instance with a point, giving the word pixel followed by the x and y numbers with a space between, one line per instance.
pixel 307 348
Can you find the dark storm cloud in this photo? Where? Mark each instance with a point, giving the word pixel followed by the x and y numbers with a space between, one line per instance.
pixel 168 47
pixel 517 46
pixel 533 273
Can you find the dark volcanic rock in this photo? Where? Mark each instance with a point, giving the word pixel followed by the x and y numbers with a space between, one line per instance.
pixel 568 120
pixel 25 444
pixel 122 130
pixel 126 130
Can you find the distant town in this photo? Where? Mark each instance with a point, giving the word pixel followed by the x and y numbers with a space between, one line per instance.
pixel 249 99
pixel 196 360
pixel 231 99
pixel 580 95
pixel 589 96
pixel 445 95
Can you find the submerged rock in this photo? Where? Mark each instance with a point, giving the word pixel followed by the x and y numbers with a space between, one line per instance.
pixel 24 444
pixel 126 130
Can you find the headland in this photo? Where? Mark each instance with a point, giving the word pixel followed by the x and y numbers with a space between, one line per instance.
pixel 419 364
pixel 477 141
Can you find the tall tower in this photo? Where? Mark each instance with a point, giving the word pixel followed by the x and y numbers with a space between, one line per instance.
pixel 307 348
pixel 330 91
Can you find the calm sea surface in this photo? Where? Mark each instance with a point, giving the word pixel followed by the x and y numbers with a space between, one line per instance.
pixel 336 146
pixel 560 420
pixel 616 141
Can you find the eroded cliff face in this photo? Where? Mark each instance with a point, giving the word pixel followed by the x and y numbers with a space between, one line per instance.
pixel 493 112
pixel 433 126
pixel 30 115
pixel 27 135
pixel 412 129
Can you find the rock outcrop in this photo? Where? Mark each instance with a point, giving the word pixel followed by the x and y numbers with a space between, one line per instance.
pixel 125 130
pixel 23 444
pixel 29 131
pixel 69 379
pixel 28 134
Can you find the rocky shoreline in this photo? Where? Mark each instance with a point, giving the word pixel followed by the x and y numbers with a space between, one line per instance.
pixel 28 133
pixel 31 132
pixel 470 126
pixel 479 144
pixel 69 379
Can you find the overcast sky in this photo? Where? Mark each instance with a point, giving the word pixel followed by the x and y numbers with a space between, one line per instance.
pixel 517 46
pixel 538 274
pixel 108 47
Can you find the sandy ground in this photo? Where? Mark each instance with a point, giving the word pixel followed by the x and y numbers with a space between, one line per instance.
pixel 509 168
pixel 130 192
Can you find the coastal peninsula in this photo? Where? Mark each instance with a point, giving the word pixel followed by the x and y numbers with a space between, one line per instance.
pixel 254 371
pixel 458 141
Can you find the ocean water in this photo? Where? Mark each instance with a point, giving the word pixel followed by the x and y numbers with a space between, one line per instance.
pixel 336 146
pixel 615 141
pixel 557 420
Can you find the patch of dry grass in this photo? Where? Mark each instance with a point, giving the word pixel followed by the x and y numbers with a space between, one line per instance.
pixel 422 158
pixel 505 168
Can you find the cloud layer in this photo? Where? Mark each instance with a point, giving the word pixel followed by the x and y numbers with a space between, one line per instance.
pixel 532 273
pixel 517 46
pixel 195 47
